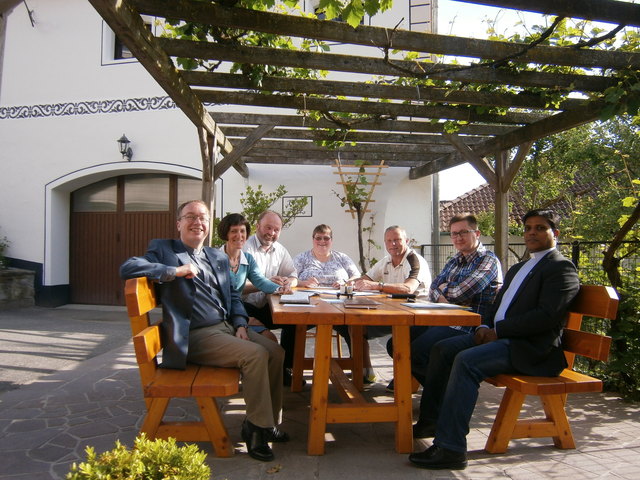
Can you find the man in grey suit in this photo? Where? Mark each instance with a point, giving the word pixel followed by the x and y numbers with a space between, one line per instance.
pixel 204 322
pixel 521 333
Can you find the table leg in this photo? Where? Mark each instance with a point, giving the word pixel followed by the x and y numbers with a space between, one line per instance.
pixel 357 355
pixel 402 390
pixel 319 391
pixel 298 358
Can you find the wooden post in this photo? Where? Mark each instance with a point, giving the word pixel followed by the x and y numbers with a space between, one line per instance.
pixel 502 211
pixel 208 153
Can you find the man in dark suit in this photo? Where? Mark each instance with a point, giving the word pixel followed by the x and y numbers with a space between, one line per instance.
pixel 521 333
pixel 204 322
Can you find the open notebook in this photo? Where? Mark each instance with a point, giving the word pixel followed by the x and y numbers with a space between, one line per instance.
pixel 297 297
pixel 360 302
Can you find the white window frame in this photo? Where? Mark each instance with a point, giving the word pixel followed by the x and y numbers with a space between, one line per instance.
pixel 108 50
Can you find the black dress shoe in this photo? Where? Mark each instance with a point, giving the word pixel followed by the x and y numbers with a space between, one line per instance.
pixel 274 434
pixel 287 378
pixel 256 439
pixel 436 458
pixel 423 429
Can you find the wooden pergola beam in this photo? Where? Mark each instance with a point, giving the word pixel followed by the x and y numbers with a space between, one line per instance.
pixel 548 126
pixel 609 11
pixel 241 149
pixel 364 148
pixel 380 66
pixel 364 107
pixel 197 78
pixel 381 38
pixel 388 139
pixel 370 124
pixel 437 165
pixel 481 164
pixel 324 162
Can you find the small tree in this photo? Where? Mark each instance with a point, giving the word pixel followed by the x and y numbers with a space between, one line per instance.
pixel 254 201
pixel 356 195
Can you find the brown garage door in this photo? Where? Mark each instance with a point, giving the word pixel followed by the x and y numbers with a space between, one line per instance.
pixel 114 219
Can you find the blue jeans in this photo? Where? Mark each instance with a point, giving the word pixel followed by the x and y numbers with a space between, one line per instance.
pixel 456 367
pixel 423 339
pixel 422 345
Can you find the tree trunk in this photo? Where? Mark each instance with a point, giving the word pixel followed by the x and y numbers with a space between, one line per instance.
pixel 359 214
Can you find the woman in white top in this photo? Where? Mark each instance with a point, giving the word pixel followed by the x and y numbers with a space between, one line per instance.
pixel 322 266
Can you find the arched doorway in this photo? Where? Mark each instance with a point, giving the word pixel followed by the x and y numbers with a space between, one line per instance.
pixel 114 219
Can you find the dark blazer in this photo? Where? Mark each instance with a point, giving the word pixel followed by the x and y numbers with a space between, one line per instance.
pixel 177 295
pixel 537 314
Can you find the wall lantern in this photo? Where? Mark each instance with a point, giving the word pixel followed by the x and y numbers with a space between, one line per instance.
pixel 125 150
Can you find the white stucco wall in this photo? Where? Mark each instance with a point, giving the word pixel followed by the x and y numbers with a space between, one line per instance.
pixel 45 156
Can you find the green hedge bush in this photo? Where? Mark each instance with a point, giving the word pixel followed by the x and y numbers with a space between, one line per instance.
pixel 148 460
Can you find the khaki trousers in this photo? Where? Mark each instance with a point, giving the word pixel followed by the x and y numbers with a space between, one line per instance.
pixel 259 359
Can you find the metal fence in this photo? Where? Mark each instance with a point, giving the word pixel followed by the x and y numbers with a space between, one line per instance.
pixel 587 256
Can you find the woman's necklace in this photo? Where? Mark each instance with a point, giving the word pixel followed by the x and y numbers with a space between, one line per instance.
pixel 235 262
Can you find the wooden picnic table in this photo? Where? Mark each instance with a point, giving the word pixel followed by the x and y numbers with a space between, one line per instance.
pixel 355 408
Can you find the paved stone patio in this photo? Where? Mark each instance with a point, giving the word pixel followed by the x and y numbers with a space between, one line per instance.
pixel 94 399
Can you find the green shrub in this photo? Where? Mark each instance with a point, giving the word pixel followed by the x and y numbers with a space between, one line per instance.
pixel 148 460
pixel 4 245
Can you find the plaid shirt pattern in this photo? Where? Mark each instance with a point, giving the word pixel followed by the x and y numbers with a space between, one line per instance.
pixel 472 280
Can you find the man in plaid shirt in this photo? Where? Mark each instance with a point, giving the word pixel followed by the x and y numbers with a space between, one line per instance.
pixel 471 278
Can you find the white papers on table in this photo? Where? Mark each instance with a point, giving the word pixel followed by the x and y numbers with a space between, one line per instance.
pixel 434 306
pixel 321 290
pixel 298 305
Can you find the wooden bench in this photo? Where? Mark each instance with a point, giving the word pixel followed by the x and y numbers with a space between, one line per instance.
pixel 593 301
pixel 160 385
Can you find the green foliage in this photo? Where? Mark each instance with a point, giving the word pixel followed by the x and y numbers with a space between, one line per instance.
pixel 4 245
pixel 605 159
pixel 255 201
pixel 351 11
pixel 622 370
pixel 148 460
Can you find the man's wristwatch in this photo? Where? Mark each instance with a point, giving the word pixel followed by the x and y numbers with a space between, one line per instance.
pixel 381 286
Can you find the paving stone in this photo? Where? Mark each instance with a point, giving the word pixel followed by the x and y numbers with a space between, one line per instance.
pixel 91 430
pixel 64 440
pixel 20 413
pixel 56 422
pixel 36 424
pixel 18 462
pixel 49 453
pixel 54 412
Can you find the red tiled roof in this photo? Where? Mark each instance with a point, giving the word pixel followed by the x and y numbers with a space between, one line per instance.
pixel 482 199
pixel 476 201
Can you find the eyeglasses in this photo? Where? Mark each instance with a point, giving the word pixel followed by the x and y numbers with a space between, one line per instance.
pixel 320 239
pixel 461 233
pixel 193 218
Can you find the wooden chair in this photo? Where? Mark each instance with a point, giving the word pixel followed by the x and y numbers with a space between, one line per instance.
pixel 160 385
pixel 593 301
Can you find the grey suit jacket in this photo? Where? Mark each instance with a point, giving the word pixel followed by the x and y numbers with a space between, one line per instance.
pixel 537 314
pixel 177 295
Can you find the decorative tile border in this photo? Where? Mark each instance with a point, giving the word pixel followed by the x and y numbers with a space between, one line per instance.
pixel 87 108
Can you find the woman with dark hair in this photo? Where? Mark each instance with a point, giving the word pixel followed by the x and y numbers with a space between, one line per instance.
pixel 234 229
